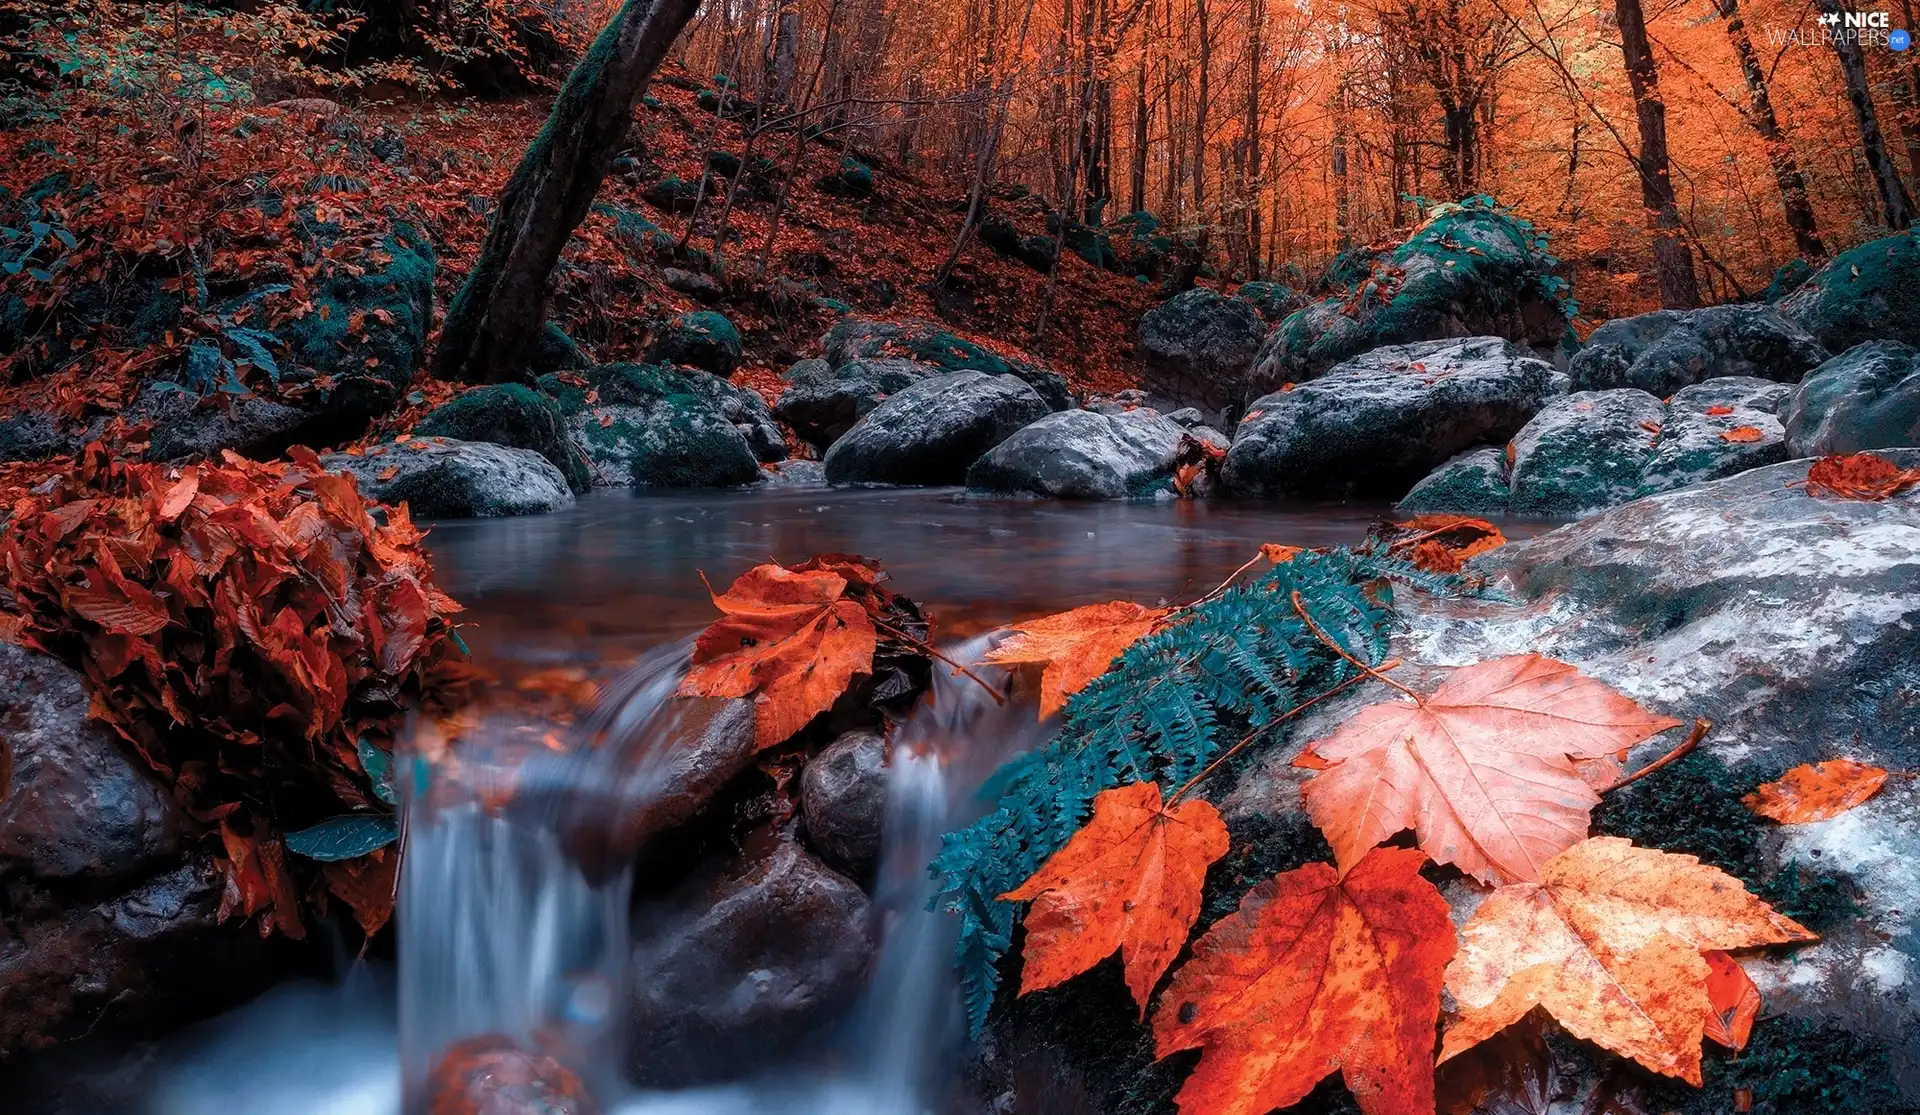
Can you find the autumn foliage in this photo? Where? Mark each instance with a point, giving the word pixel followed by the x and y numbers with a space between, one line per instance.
pixel 1075 647
pixel 1865 476
pixel 251 630
pixel 1817 791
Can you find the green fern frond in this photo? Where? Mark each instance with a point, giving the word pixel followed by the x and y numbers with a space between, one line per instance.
pixel 1161 713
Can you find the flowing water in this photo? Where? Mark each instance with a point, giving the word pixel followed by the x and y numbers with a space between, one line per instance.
pixel 502 932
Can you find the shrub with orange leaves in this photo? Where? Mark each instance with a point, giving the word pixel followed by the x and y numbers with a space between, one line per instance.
pixel 252 630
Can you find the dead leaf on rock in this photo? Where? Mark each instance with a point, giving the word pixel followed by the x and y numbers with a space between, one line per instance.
pixel 1816 791
pixel 1075 647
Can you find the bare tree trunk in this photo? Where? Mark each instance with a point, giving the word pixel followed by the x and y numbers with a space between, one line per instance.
pixel 786 52
pixel 1200 126
pixel 503 304
pixel 1672 258
pixel 1342 204
pixel 1895 205
pixel 1786 169
pixel 989 152
pixel 1250 188
pixel 1137 186
pixel 1068 206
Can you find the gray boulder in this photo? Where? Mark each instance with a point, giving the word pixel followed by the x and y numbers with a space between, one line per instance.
pixel 185 425
pixel 933 431
pixel 739 966
pixel 843 795
pixel 652 426
pixel 1376 424
pixel 856 338
pixel 439 478
pixel 1716 429
pixel 1868 397
pixel 823 402
pixel 746 410
pixel 1663 351
pixel 1078 454
pixel 1585 452
pixel 1471 271
pixel 1198 349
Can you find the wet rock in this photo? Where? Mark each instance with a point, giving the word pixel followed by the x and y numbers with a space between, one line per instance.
pixel 843 795
pixel 514 415
pixel 76 803
pixel 1868 397
pixel 701 339
pixel 440 478
pixel 932 431
pixel 1584 452
pixel 1716 429
pixel 1198 348
pixel 1473 483
pixel 1376 424
pixel 1865 294
pixel 653 427
pixel 1663 351
pixel 925 342
pixel 823 402
pixel 741 966
pixel 1080 454
pixel 1470 271
pixel 489 1075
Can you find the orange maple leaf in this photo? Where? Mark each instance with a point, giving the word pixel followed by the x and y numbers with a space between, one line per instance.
pixel 1313 973
pixel 1866 476
pixel 1075 647
pixel 790 639
pixel 1719 410
pixel 1816 791
pixel 1609 942
pixel 1742 434
pixel 1486 771
pixel 1733 1002
pixel 1129 880
pixel 1443 543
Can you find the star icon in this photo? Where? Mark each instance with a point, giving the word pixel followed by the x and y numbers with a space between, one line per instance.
pixel 1830 18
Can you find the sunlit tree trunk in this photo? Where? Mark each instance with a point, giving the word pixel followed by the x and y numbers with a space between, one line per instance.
pixel 1205 62
pixel 1137 185
pixel 1672 258
pixel 503 304
pixel 1786 169
pixel 1250 186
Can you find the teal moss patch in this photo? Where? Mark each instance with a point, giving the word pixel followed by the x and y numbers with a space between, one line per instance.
pixel 1694 807
pixel 1792 1067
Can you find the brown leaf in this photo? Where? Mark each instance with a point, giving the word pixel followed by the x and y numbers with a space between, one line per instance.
pixel 1816 791
pixel 1075 646
pixel 1863 476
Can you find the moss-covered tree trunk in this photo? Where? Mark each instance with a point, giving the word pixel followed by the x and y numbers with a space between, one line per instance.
pixel 493 321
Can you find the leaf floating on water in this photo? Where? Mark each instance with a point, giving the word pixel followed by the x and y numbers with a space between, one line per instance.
pixel 1816 791
pixel 1075 646
pixel 1315 972
pixel 1485 771
pixel 1129 880
pixel 1609 942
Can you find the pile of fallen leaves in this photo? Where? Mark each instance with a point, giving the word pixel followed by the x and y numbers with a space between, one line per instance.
pixel 794 638
pixel 254 631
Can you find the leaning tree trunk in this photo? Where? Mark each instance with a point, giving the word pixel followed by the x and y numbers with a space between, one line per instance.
pixel 1895 205
pixel 501 308
pixel 1672 257
pixel 1786 169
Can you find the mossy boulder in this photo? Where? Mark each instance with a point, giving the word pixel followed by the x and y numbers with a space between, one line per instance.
pixel 1868 397
pixel 671 194
pixel 925 342
pixel 515 415
pixel 1866 294
pixel 651 426
pixel 1597 449
pixel 1273 301
pixel 703 339
pixel 1472 270
pixel 640 237
pixel 852 179
pixel 555 351
pixel 1663 351
pixel 746 410
pixel 440 478
pixel 368 331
